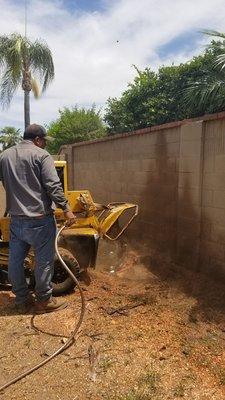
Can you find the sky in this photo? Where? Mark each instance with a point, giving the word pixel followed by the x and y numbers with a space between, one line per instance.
pixel 95 44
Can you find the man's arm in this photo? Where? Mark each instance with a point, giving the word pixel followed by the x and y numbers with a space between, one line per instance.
pixel 53 186
pixel 1 172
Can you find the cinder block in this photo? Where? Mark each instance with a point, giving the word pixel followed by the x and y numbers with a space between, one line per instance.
pixel 219 163
pixel 188 180
pixel 136 189
pixel 206 229
pixel 188 244
pixel 118 165
pixel 173 135
pixel 141 178
pixel 219 198
pixel 209 163
pixel 191 196
pixel 149 139
pixel 216 269
pixel 191 132
pixel 172 149
pixel 190 164
pixel 218 233
pixel 213 181
pixel 212 128
pixel 213 249
pixel 149 151
pixel 214 215
pixel 117 187
pixel 170 178
pixel 148 164
pixel 188 258
pixel 188 227
pixel 209 147
pixel 171 164
pixel 192 213
pixel 187 252
pixel 207 198
pixel 133 165
pixel 190 148
pixel 164 164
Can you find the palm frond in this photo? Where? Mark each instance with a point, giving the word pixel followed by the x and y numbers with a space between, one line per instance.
pixel 213 33
pixel 206 91
pixel 10 59
pixel 4 46
pixel 8 88
pixel 35 88
pixel 220 61
pixel 41 62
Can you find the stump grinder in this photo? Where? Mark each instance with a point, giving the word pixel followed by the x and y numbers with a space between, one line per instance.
pixel 79 243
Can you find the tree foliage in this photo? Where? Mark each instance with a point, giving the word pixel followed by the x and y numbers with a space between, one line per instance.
pixel 21 63
pixel 208 89
pixel 155 98
pixel 75 125
pixel 9 136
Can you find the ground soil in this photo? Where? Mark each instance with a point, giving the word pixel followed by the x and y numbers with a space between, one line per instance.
pixel 151 331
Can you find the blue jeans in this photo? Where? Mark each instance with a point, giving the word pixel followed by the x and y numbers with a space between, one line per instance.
pixel 40 235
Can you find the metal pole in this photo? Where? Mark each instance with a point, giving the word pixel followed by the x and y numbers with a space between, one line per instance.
pixel 25 18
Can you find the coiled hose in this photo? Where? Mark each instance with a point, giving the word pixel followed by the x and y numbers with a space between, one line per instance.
pixel 71 338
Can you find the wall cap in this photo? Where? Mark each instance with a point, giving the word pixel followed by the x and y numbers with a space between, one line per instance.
pixel 151 129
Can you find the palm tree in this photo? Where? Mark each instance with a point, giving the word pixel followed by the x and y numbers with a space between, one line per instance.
pixel 9 136
pixel 220 59
pixel 210 87
pixel 20 61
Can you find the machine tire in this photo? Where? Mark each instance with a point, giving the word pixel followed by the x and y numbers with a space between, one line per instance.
pixel 61 281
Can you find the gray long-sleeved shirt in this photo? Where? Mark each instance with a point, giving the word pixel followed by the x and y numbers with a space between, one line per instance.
pixel 30 180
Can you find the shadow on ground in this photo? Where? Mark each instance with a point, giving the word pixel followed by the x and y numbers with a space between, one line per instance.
pixel 207 291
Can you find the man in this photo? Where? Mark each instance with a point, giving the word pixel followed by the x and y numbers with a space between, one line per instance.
pixel 32 186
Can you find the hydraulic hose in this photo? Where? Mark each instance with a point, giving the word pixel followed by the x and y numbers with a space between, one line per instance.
pixel 71 338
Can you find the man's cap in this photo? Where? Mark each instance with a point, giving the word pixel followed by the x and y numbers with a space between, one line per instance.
pixel 32 131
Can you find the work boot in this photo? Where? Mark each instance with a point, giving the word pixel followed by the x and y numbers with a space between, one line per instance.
pixel 25 307
pixel 50 305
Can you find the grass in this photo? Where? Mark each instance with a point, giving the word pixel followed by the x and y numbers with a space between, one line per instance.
pixel 179 390
pixel 105 364
pixel 211 341
pixel 147 388
pixel 150 380
pixel 184 385
pixel 219 372
pixel 140 395
pixel 133 396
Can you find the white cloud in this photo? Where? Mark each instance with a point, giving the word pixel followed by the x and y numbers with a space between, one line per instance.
pixel 94 52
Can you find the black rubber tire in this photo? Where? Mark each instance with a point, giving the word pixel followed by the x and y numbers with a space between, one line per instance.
pixel 61 281
pixel 4 282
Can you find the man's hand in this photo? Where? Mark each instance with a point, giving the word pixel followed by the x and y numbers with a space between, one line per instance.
pixel 69 215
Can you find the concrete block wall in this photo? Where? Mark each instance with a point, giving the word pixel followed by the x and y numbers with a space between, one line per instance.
pixel 176 174
pixel 189 194
pixel 137 168
pixel 212 251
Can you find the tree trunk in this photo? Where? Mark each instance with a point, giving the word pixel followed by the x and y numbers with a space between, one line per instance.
pixel 26 86
pixel 26 108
